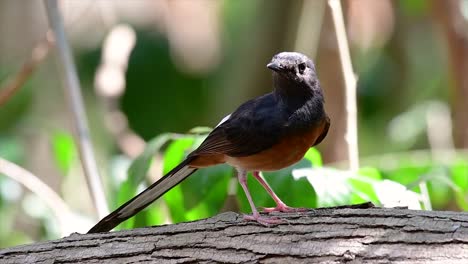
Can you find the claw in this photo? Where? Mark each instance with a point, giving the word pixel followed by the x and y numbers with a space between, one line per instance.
pixel 283 208
pixel 266 221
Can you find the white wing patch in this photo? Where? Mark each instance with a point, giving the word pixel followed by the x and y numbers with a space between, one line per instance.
pixel 226 118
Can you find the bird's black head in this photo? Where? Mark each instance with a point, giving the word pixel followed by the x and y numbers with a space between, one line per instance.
pixel 293 71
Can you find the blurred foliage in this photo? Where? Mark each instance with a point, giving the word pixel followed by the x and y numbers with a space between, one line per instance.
pixel 64 151
pixel 152 72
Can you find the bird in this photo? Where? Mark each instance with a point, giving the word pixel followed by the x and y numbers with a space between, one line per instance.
pixel 267 133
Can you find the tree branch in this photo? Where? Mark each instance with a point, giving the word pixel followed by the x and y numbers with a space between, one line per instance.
pixel 329 235
pixel 350 84
pixel 62 212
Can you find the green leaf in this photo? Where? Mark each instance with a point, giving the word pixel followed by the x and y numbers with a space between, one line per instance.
pixel 371 173
pixel 462 200
pixel 155 215
pixel 206 191
pixel 459 173
pixel 64 151
pixel 440 186
pixel 330 185
pixel 140 166
pixel 362 185
pixel 314 156
pixel 174 155
pixel 407 173
pixel 150 216
pixel 259 195
pixel 391 193
pixel 439 194
pixel 136 174
pixel 293 192
pixel 126 191
pixel 339 187
pixel 176 152
pixel 200 130
pixel 138 170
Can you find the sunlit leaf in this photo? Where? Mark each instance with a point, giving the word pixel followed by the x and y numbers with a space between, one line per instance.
pixel 152 215
pixel 330 185
pixel 362 186
pixel 394 194
pixel 64 151
pixel 155 214
pixel 370 172
pixel 126 191
pixel 314 156
pixel 173 155
pixel 340 187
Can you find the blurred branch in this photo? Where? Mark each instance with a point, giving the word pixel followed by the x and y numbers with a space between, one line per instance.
pixel 73 92
pixel 438 115
pixel 448 13
pixel 425 198
pixel 309 27
pixel 110 85
pixel 36 186
pixel 350 84
pixel 38 54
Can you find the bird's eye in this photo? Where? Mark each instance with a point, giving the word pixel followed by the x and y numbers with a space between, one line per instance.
pixel 301 68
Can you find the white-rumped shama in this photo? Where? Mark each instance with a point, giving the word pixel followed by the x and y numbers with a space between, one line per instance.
pixel 267 133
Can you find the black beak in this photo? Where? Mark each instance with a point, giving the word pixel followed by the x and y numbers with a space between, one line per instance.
pixel 274 66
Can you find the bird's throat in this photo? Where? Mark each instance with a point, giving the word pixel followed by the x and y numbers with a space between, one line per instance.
pixel 295 95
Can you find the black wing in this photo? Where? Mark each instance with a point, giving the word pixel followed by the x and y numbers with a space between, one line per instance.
pixel 255 126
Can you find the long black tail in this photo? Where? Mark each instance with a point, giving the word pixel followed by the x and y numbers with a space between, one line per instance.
pixel 142 200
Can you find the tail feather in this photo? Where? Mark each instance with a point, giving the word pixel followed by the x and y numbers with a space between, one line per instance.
pixel 142 200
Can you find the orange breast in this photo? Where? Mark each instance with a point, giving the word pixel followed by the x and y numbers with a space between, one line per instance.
pixel 287 152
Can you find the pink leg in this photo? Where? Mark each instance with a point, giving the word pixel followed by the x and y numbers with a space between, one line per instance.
pixel 280 205
pixel 242 176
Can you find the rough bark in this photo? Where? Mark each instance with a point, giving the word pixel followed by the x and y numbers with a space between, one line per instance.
pixel 333 235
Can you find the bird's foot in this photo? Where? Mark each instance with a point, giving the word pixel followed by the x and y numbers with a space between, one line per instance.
pixel 283 208
pixel 266 221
